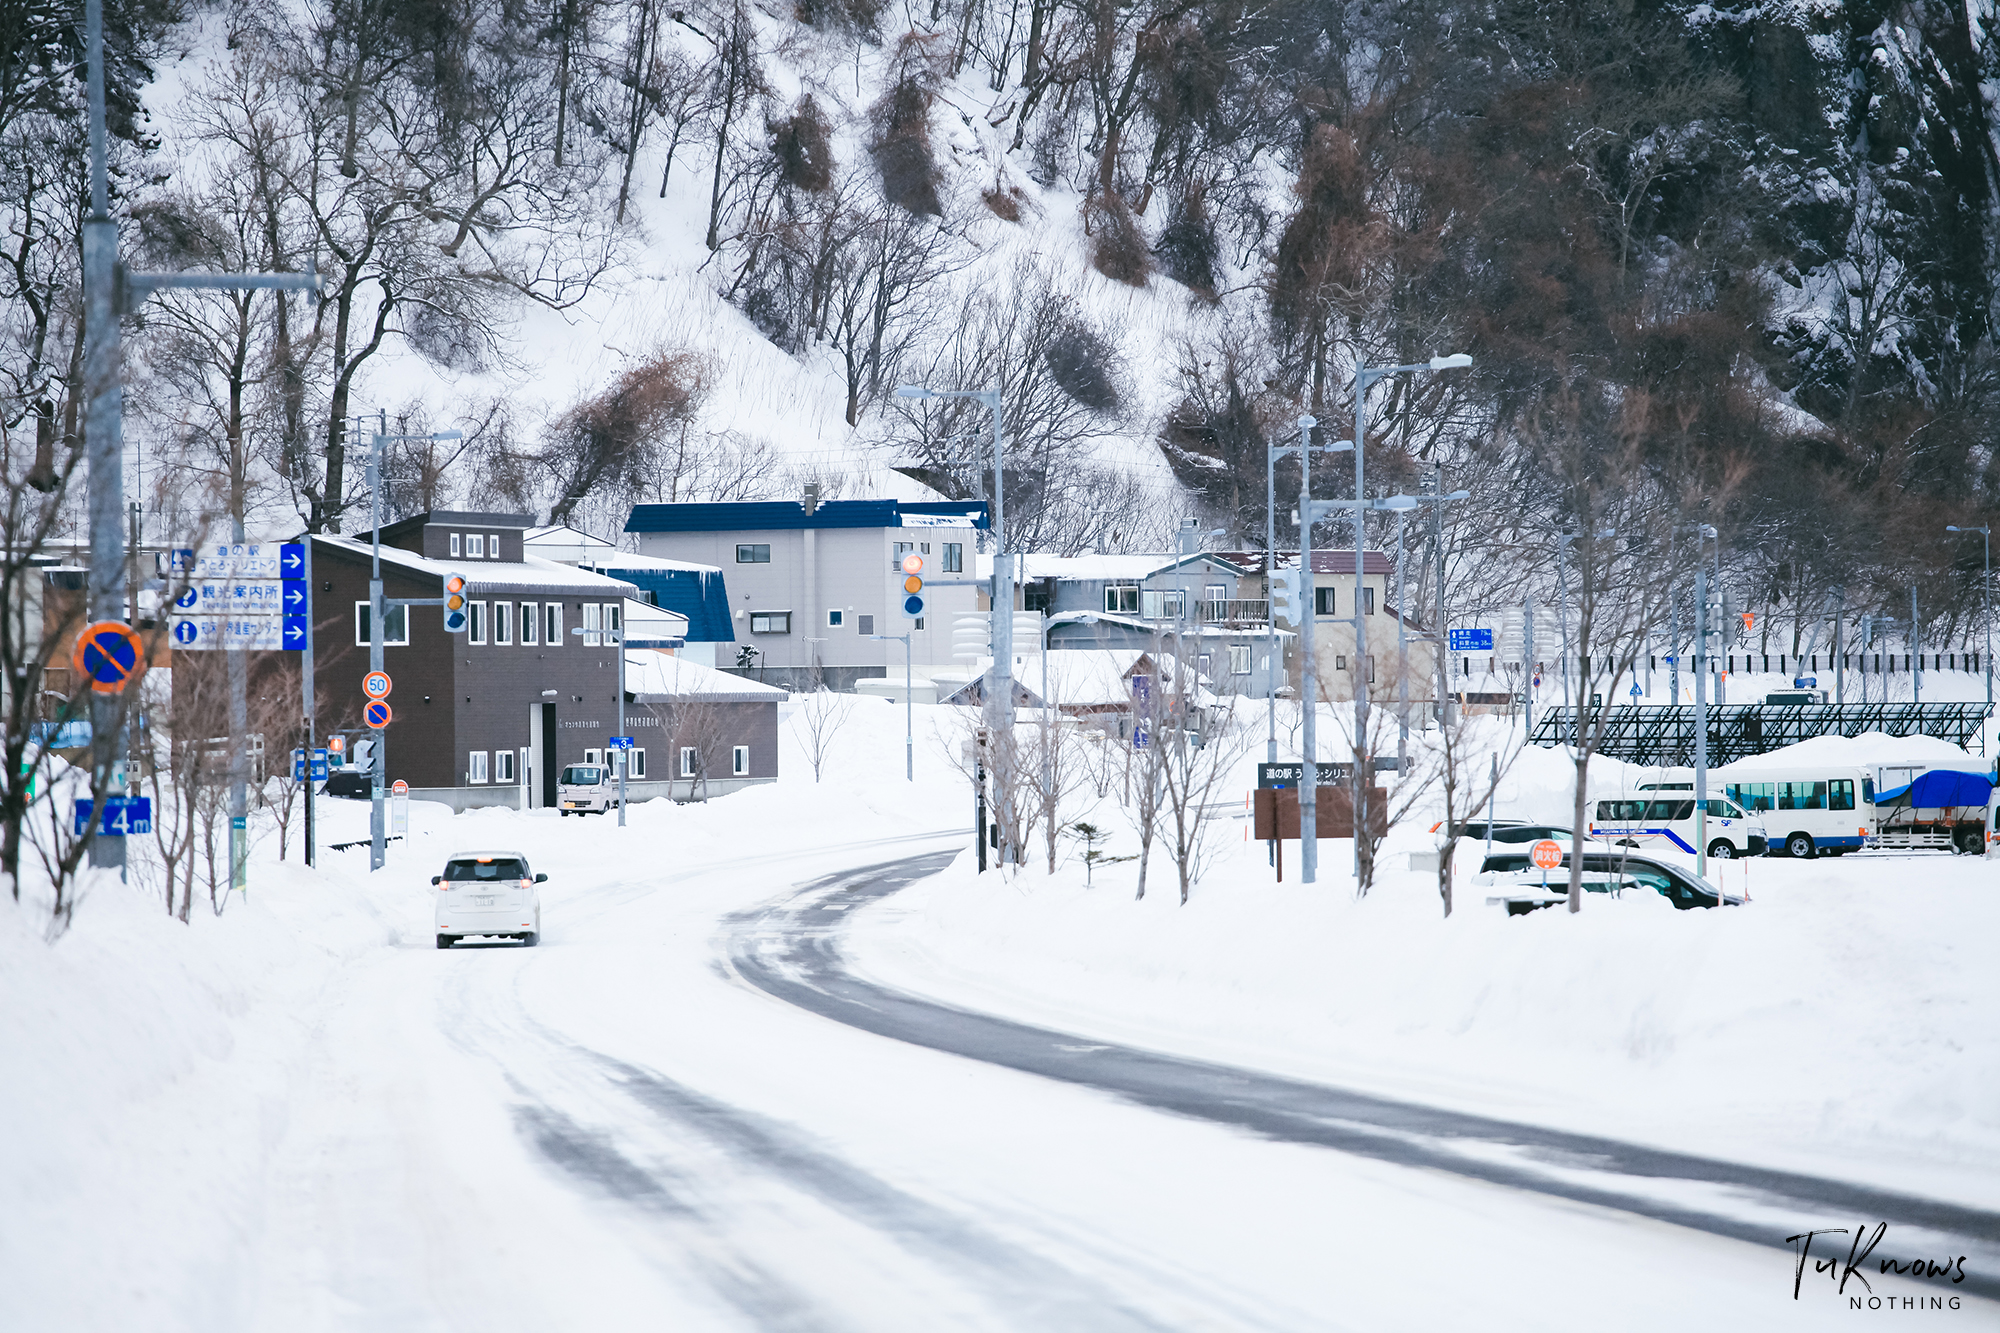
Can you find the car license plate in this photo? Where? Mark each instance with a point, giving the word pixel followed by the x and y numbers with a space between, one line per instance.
pixel 482 902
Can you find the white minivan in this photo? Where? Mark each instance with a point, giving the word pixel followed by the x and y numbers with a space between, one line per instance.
pixel 1666 819
pixel 488 893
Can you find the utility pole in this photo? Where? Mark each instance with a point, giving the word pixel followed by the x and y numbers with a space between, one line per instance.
pixel 1308 667
pixel 909 713
pixel 1986 603
pixel 1839 648
pixel 308 702
pixel 110 290
pixel 1701 702
pixel 1916 652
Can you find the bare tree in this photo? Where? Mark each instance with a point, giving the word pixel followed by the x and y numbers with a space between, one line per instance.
pixel 818 718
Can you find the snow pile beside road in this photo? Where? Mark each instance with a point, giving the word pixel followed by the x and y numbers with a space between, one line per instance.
pixel 1841 1024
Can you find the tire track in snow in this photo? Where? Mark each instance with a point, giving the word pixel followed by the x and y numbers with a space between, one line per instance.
pixel 791 950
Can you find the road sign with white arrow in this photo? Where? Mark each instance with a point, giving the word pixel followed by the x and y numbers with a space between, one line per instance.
pixel 251 596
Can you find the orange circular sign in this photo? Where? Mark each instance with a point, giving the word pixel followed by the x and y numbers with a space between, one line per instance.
pixel 1547 854
pixel 399 788
pixel 108 654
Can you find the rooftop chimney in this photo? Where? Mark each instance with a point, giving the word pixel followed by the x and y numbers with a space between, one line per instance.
pixel 812 497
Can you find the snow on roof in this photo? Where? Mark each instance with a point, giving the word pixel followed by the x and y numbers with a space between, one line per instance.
pixel 617 560
pixel 657 677
pixel 1870 747
pixel 1092 677
pixel 1167 629
pixel 531 574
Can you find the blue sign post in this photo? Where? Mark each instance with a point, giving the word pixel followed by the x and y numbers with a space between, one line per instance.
pixel 1471 640
pixel 123 816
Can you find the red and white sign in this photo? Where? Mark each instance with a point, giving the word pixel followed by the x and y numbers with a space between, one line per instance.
pixel 399 788
pixel 376 684
pixel 1547 854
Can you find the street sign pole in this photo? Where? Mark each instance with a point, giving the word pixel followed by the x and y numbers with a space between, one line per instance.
pixel 377 842
pixel 625 755
pixel 1308 668
pixel 307 702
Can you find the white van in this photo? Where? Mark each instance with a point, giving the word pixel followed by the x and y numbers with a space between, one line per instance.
pixel 584 789
pixel 1823 809
pixel 1668 820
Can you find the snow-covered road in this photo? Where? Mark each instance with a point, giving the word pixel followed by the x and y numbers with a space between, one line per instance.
pixel 626 1127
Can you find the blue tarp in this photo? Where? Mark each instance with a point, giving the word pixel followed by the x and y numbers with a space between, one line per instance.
pixel 1940 789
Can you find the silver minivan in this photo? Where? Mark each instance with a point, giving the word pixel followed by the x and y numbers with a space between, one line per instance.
pixel 488 893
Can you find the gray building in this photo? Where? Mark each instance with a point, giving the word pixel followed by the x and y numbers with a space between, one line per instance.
pixel 809 583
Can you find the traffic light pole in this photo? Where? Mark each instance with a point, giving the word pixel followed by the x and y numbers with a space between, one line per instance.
pixel 909 709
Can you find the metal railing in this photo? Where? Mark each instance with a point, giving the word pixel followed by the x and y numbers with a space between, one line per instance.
pixel 1664 733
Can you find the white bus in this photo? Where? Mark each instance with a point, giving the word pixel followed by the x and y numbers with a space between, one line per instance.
pixel 1809 810
pixel 1665 818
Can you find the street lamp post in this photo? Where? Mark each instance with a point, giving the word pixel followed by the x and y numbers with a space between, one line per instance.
pixel 1703 532
pixel 1000 699
pixel 1985 532
pixel 1272 454
pixel 909 715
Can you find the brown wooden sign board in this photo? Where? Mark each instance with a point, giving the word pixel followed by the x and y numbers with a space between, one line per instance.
pixel 1276 812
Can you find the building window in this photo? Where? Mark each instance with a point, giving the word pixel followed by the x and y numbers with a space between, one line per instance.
pixel 954 558
pixel 1367 601
pixel 1162 603
pixel 739 761
pixel 592 757
pixel 503 622
pixel 1325 601
pixel 920 622
pixel 454 546
pixel 1239 659
pixel 1371 668
pixel 475 614
pixel 1122 599
pixel 865 625
pixel 475 545
pixel 593 620
pixel 689 761
pixel 835 617
pixel 770 622
pixel 503 765
pixel 395 622
pixel 897 550
pixel 492 546
pixel 1201 663
pixel 611 626
pixel 1339 663
pixel 635 763
pixel 530 622
pixel 477 773
pixel 753 555
pixel 553 625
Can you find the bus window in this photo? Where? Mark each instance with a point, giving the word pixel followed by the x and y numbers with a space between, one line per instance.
pixel 1621 812
pixel 1867 791
pixel 1750 795
pixel 1841 794
pixel 1802 796
pixel 1670 811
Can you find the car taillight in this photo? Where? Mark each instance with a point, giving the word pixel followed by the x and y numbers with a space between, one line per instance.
pixel 527 883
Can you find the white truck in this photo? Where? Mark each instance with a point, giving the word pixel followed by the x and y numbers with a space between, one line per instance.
pixel 585 789
pixel 1940 809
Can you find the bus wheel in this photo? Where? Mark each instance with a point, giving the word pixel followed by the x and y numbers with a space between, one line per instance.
pixel 1721 850
pixel 1799 847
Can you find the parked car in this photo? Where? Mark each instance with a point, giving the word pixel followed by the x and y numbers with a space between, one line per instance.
pixel 349 783
pixel 1521 886
pixel 587 789
pixel 1508 831
pixel 488 893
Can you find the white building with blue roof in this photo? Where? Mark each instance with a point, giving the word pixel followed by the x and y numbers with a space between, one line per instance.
pixel 809 584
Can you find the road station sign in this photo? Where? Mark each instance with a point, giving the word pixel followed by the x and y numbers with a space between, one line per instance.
pixel 246 633
pixel 109 653
pixel 1290 775
pixel 123 816
pixel 1546 854
pixel 376 684
pixel 377 714
pixel 1471 640
pixel 253 560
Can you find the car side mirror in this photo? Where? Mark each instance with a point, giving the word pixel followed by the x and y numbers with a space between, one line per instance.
pixel 437 879
pixel 541 879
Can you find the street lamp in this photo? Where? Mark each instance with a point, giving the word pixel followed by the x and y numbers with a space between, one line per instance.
pixel 1304 448
pixel 1986 599
pixel 1000 699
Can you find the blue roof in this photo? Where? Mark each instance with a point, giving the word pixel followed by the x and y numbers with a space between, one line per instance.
pixel 698 594
pixel 780 515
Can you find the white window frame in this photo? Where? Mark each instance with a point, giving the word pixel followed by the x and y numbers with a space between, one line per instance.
pixel 612 632
pixel 503 623
pixel 836 618
pixel 391 615
pixel 753 548
pixel 897 550
pixel 767 617
pixel 531 624
pixel 739 761
pixel 492 546
pixel 475 622
pixel 954 558
pixel 503 766
pixel 476 771
pixel 593 758
pixel 690 758
pixel 475 546
pixel 553 618
pixel 1120 593
pixel 1239 659
pixel 635 766
pixel 454 546
pixel 593 620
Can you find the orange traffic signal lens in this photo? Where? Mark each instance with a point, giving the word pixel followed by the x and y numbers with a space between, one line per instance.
pixel 913 584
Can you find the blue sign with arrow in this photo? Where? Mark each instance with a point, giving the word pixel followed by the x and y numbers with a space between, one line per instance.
pixel 292 560
pixel 1471 640
pixel 123 816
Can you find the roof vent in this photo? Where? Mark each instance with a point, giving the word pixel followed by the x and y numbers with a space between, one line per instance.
pixel 812 497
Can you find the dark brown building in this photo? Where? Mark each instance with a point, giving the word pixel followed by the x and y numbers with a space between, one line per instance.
pixel 479 715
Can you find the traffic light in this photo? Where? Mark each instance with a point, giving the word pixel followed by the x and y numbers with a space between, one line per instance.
pixel 455 614
pixel 913 585
pixel 1285 595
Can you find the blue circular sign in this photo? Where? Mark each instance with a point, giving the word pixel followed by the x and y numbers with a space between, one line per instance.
pixel 185 633
pixel 187 599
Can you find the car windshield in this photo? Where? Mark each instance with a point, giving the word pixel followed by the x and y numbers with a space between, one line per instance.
pixel 581 775
pixel 1529 833
pixel 497 867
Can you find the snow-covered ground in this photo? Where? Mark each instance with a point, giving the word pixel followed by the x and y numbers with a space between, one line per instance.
pixel 301 1115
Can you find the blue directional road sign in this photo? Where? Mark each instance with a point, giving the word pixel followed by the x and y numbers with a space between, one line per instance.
pixel 294 632
pixel 1472 640
pixel 292 560
pixel 620 742
pixel 123 816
